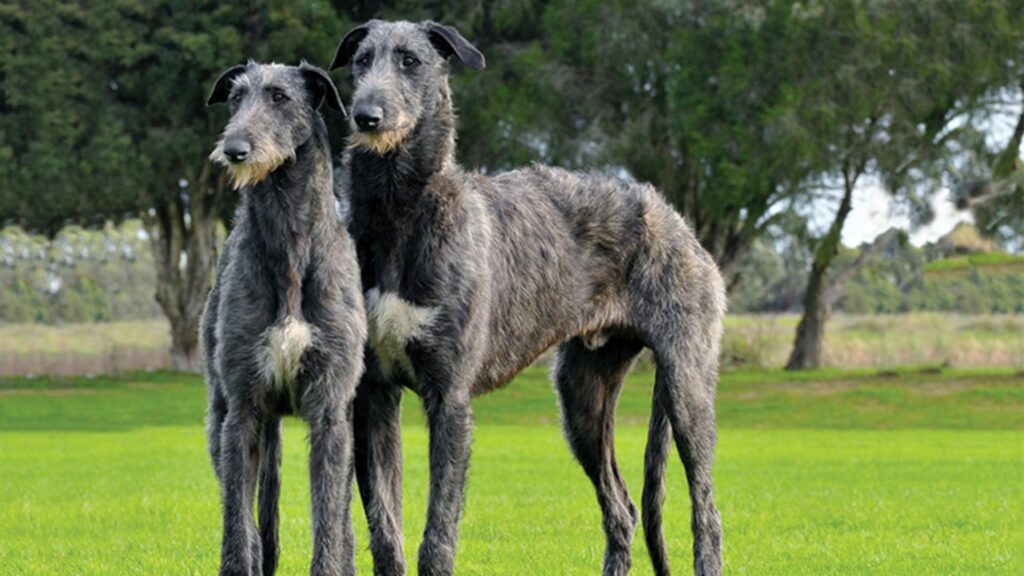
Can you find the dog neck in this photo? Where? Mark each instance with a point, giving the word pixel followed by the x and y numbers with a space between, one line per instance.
pixel 395 182
pixel 284 209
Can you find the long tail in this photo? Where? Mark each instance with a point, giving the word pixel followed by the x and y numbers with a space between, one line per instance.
pixel 659 437
pixel 270 490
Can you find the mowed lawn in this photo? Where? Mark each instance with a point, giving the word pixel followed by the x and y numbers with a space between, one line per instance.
pixel 821 473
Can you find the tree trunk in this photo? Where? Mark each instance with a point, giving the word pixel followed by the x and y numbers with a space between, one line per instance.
pixel 1008 161
pixel 810 333
pixel 183 237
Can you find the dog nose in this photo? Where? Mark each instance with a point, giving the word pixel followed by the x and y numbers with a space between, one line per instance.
pixel 237 150
pixel 368 117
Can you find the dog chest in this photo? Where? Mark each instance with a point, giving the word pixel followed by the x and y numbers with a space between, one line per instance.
pixel 284 346
pixel 393 323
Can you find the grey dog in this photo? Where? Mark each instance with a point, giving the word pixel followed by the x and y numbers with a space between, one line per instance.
pixel 284 328
pixel 469 278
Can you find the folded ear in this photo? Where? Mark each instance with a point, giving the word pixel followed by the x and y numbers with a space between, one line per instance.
pixel 448 41
pixel 222 86
pixel 349 45
pixel 321 88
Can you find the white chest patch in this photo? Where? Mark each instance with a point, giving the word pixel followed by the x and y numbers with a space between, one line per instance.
pixel 393 323
pixel 286 343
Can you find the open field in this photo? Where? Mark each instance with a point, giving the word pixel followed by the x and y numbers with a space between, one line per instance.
pixel 80 349
pixel 751 341
pixel 882 341
pixel 822 473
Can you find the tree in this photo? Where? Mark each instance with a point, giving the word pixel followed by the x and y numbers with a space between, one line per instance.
pixel 62 151
pixel 689 104
pixel 104 118
pixel 907 76
pixel 681 95
pixel 990 183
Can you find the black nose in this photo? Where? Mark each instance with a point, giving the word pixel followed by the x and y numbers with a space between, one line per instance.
pixel 368 117
pixel 237 150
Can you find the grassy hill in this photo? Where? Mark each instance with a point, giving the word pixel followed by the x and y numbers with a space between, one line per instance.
pixel 988 261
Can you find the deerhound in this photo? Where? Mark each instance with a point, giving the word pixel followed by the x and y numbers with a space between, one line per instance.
pixel 284 329
pixel 468 278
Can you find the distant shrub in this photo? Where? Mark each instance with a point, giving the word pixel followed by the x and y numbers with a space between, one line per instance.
pixel 83 301
pixel 746 349
pixel 21 302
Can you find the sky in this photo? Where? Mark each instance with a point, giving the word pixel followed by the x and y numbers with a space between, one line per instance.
pixel 873 212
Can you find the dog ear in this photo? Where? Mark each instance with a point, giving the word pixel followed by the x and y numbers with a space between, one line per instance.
pixel 222 86
pixel 322 88
pixel 448 41
pixel 349 45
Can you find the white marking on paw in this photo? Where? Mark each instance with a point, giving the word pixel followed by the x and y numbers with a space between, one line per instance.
pixel 393 323
pixel 286 342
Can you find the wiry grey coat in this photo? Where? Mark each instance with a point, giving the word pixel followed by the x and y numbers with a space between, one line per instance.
pixel 469 278
pixel 284 328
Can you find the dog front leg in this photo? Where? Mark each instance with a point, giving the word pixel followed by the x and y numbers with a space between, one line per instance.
pixel 378 454
pixel 239 456
pixel 330 471
pixel 451 422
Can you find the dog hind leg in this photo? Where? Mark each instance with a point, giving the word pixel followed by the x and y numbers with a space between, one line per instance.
pixel 659 438
pixel 588 383
pixel 684 388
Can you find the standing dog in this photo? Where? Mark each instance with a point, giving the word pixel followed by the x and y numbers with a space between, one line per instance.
pixel 469 278
pixel 284 328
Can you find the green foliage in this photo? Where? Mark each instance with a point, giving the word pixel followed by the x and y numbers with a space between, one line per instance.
pixel 739 112
pixel 66 151
pixel 764 276
pixel 733 110
pixel 103 103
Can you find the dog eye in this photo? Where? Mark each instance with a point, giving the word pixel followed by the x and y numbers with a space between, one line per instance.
pixel 236 98
pixel 279 97
pixel 408 61
pixel 363 60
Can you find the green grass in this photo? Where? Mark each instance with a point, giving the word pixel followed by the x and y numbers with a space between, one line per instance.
pixel 829 472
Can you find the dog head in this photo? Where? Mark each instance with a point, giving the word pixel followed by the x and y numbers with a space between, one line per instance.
pixel 401 77
pixel 273 112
